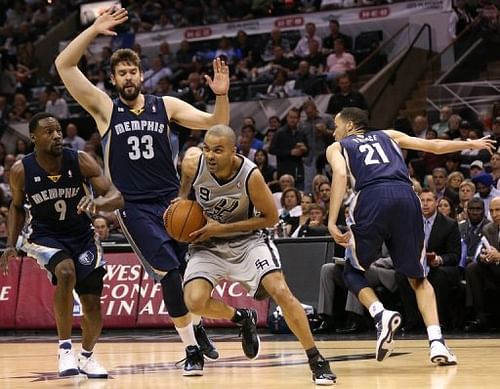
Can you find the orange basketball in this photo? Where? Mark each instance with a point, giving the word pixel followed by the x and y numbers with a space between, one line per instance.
pixel 183 217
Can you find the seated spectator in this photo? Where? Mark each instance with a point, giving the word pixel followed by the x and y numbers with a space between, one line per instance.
pixel 453 127
pixel 22 147
pixel 302 48
pixel 153 76
pixel 483 276
pixel 250 131
pixel 476 168
pixel 290 204
pixel 329 41
pixel 444 115
pixel 466 192
pixel 315 225
pixel 20 111
pixel 163 23
pixel 446 207
pixel 315 58
pixel 164 87
pixel 245 147
pixel 56 105
pixel 345 96
pixel 305 203
pixel 485 190
pixel 277 63
pixel 102 230
pixel 471 230
pixel 442 245
pixel 439 178
pixel 72 140
pixel 275 40
pixel 318 180
pixel 305 82
pixel 454 181
pixel 195 92
pixel 285 181
pixel 267 171
pixel 339 62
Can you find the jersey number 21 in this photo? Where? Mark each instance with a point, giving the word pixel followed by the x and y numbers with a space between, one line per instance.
pixel 374 154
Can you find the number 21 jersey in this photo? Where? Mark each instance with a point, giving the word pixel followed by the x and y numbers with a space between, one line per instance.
pixel 139 156
pixel 374 158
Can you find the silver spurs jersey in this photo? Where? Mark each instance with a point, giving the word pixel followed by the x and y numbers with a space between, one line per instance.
pixel 225 202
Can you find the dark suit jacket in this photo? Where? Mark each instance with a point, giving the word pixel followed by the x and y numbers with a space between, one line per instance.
pixel 444 240
pixel 452 195
pixel 490 232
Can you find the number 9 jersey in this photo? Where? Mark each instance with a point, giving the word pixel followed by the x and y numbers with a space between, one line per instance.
pixel 373 158
pixel 139 156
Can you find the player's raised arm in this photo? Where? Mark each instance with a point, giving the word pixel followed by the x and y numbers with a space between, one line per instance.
pixel 109 198
pixel 440 146
pixel 95 101
pixel 188 116
pixel 16 214
pixel 190 164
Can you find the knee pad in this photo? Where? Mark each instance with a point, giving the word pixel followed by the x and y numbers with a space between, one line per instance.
pixel 171 286
pixel 354 278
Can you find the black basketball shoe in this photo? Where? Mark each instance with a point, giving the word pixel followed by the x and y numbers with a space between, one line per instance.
pixel 193 364
pixel 206 345
pixel 250 341
pixel 321 372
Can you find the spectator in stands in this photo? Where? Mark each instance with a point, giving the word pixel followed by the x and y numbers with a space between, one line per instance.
pixel 302 48
pixel 41 17
pixel 305 203
pixel 440 178
pixel 315 58
pixel 453 127
pixel 290 145
pixel 446 207
pixel 214 12
pixel 153 76
pixel 22 147
pixel 329 41
pixel 290 205
pixel 226 50
pixel 279 88
pixel 465 193
pixel 245 146
pixel 56 105
pixel 72 140
pixel 278 63
pixel 444 115
pixel 246 49
pixel 268 171
pixel 101 80
pixel 274 124
pixel 285 181
pixel 430 160
pixel 495 168
pixel 454 180
pixel 315 225
pixel 250 131
pixel 163 23
pixel 305 82
pixel 319 133
pixel 7 81
pixel 164 87
pixel 459 19
pixel 442 245
pixel 275 40
pixel 471 230
pixel 5 187
pixel 483 276
pixel 102 230
pixel 485 190
pixel 318 180
pixel 167 57
pixel 495 130
pixel 145 64
pixel 420 126
pixel 4 114
pixel 476 168
pixel 195 92
pixel 345 96
pixel 20 111
pixel 339 62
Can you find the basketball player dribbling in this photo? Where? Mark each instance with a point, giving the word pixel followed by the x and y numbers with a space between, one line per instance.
pixel 238 205
pixel 385 210
pixel 48 193
pixel 141 162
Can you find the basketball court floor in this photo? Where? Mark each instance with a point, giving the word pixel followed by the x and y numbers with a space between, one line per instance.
pixel 147 360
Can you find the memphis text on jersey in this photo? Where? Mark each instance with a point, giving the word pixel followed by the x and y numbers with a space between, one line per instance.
pixel 56 193
pixel 139 125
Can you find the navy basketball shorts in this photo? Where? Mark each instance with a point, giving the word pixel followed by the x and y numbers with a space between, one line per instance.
pixel 85 251
pixel 142 225
pixel 392 214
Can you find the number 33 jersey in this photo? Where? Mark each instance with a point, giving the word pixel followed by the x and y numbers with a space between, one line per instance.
pixel 373 158
pixel 139 155
pixel 51 200
pixel 225 202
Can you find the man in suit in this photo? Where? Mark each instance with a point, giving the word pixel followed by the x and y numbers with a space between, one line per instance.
pixel 442 243
pixel 471 230
pixel 440 177
pixel 483 275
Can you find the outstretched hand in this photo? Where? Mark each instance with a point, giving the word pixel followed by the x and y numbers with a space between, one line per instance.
pixel 483 143
pixel 220 83
pixel 111 18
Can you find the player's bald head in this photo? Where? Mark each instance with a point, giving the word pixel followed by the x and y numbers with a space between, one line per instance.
pixel 221 130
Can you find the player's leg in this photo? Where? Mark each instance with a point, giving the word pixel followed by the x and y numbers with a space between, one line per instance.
pixel 295 317
pixel 89 290
pixel 64 270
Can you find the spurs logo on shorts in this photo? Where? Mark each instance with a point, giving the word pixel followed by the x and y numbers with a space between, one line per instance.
pixel 86 258
pixel 261 263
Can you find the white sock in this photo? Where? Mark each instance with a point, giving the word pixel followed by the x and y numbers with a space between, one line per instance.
pixel 86 353
pixel 376 308
pixel 187 335
pixel 434 332
pixel 196 319
pixel 65 341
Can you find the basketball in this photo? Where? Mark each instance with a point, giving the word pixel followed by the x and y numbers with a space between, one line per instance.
pixel 183 217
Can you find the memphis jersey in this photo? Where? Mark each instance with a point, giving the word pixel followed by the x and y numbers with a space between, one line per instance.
pixel 374 158
pixel 138 155
pixel 225 202
pixel 51 200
